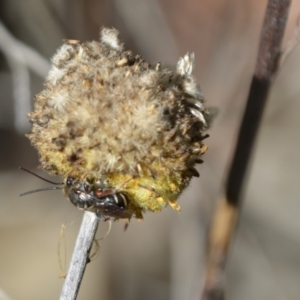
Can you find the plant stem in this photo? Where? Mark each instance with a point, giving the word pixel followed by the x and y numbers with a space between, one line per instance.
pixel 80 256
pixel 227 212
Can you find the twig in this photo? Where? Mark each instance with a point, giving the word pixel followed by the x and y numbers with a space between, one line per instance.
pixel 227 212
pixel 22 53
pixel 21 94
pixel 80 256
pixel 20 58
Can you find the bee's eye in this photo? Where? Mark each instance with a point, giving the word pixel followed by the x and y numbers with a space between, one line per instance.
pixel 86 187
pixel 70 181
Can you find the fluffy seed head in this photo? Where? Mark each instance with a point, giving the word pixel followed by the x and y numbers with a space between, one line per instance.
pixel 185 64
pixel 106 113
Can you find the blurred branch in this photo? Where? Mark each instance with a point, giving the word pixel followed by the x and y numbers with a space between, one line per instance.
pixel 3 295
pixel 227 212
pixel 21 53
pixel 21 94
pixel 80 256
pixel 292 44
pixel 20 58
pixel 139 23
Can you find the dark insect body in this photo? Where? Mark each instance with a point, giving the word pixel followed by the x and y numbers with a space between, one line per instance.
pixel 107 203
pixel 98 197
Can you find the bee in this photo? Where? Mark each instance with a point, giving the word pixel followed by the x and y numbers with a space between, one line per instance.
pixel 108 203
pixel 98 197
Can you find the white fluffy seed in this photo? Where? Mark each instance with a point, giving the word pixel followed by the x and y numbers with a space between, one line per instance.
pixel 109 37
pixel 185 64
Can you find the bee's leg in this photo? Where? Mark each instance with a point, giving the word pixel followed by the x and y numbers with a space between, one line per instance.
pixel 139 215
pixel 126 224
pixel 150 188
pixel 172 203
pixel 123 183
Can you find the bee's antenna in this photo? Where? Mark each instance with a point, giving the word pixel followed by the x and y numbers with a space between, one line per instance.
pixel 40 190
pixel 38 176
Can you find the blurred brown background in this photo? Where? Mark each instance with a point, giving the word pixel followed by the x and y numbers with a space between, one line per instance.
pixel 163 256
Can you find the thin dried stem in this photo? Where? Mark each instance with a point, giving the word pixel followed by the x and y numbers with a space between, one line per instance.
pixel 80 256
pixel 227 212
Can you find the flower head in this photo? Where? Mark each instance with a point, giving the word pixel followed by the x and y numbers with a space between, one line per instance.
pixel 110 120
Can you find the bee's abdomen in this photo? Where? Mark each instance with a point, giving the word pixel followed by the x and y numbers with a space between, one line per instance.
pixel 114 206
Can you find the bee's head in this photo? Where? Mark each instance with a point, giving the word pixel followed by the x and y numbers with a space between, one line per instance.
pixel 78 192
pixel 82 193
